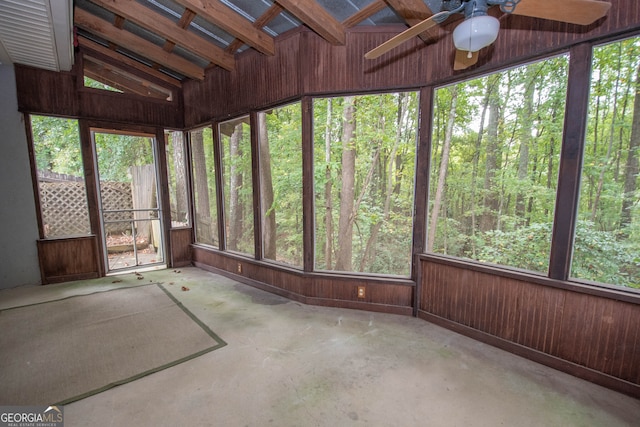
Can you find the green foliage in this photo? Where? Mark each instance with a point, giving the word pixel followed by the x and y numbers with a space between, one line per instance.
pixel 57 145
pixel 237 185
pixel 601 256
pixel 89 82
pixel 499 180
pixel 117 153
pixel 501 211
pixel 385 146
pixel 284 129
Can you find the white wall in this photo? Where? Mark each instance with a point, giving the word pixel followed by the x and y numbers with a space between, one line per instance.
pixel 18 223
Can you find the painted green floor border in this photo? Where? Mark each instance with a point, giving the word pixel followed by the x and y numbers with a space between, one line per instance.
pixel 220 343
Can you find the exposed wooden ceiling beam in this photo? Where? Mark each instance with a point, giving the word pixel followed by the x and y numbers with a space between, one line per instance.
pixel 89 44
pixel 317 18
pixel 106 75
pixel 233 23
pixel 413 12
pixel 156 23
pixel 263 20
pixel 364 13
pixel 136 44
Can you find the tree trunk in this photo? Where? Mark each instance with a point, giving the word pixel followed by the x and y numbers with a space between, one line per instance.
pixel 444 163
pixel 525 141
pixel 607 161
pixel 266 193
pixel 235 185
pixel 347 193
pixel 631 170
pixel 181 178
pixel 328 188
pixel 474 172
pixel 491 203
pixel 369 253
pixel 204 227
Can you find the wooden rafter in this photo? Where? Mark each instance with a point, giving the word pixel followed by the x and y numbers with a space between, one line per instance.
pixel 136 44
pixel 413 12
pixel 317 18
pixel 230 21
pixel 164 27
pixel 263 20
pixel 364 13
pixel 88 44
pixel 109 76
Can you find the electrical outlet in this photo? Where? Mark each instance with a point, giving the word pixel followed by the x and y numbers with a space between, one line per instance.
pixel 361 293
pixel 239 268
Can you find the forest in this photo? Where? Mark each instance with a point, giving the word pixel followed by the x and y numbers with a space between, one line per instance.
pixel 494 164
pixel 494 167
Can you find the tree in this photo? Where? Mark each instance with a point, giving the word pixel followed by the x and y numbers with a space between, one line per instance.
pixel 347 192
pixel 444 163
pixel 266 193
pixel 489 219
pixel 631 168
pixel 235 212
pixel 204 225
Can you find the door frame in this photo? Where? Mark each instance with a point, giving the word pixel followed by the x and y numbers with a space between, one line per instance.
pixel 156 136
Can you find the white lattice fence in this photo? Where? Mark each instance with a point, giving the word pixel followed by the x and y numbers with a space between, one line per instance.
pixel 64 207
pixel 117 196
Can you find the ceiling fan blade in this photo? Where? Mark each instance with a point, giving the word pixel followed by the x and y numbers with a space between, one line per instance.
pixel 581 12
pixel 464 59
pixel 406 35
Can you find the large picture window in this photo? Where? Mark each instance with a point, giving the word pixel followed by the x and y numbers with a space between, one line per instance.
pixel 365 149
pixel 607 240
pixel 60 173
pixel 280 135
pixel 204 187
pixel 237 185
pixel 494 165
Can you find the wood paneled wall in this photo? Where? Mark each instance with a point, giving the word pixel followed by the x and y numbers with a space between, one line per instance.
pixel 552 323
pixel 68 259
pixel 181 239
pixel 381 294
pixel 305 64
pixel 59 94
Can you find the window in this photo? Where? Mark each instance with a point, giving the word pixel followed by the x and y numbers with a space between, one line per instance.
pixel 607 239
pixel 177 170
pixel 494 165
pixel 204 187
pixel 237 185
pixel 281 184
pixel 63 196
pixel 365 149
pixel 101 75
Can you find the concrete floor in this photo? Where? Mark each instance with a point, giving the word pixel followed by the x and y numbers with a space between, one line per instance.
pixel 287 364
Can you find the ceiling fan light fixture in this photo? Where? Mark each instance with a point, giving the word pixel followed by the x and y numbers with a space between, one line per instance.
pixel 476 32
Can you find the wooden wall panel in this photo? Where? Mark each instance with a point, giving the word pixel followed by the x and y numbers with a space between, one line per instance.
pixel 180 246
pixel 590 331
pixel 305 64
pixel 323 67
pixel 333 290
pixel 257 82
pixel 59 94
pixel 118 107
pixel 46 92
pixel 62 260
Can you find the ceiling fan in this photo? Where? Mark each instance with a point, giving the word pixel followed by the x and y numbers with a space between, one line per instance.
pixel 479 29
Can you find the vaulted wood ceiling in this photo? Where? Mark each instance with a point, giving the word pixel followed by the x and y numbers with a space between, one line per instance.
pixel 175 40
